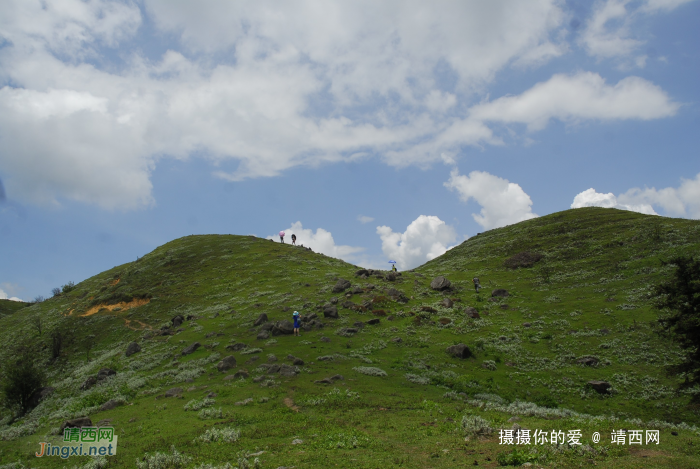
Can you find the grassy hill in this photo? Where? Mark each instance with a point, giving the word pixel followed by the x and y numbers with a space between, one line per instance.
pixel 580 313
pixel 9 306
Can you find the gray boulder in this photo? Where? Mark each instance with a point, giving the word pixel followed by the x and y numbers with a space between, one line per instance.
pixel 362 272
pixel 172 392
pixel 132 348
pixel 237 347
pixel 447 303
pixel 75 423
pixel 471 312
pixel 267 326
pixel 330 312
pixel 105 373
pixel 111 404
pixel 325 339
pixel 334 300
pixel 288 370
pixel 440 283
pixel 191 348
pixel 588 360
pixel 391 276
pixel 263 335
pixel 241 374
pixel 459 351
pixel 373 322
pixel 226 364
pixel 262 319
pixel 88 383
pixel 283 327
pixel 341 285
pixel 298 362
pixel 601 387
pixel 359 324
pixel 499 292
pixel 177 321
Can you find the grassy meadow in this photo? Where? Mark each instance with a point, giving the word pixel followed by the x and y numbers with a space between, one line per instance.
pixel 368 395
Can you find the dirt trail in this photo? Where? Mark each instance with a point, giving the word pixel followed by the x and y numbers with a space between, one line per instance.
pixel 123 305
pixel 127 323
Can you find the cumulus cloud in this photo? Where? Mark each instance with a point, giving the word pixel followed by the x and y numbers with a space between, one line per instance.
pixel 608 32
pixel 584 95
pixel 683 201
pixel 320 241
pixel 502 202
pixel 364 219
pixel 5 296
pixel 424 239
pixel 239 80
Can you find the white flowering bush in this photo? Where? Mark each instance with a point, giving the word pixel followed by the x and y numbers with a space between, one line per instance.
pixel 195 404
pixel 172 460
pixel 224 435
pixel 210 413
pixel 370 371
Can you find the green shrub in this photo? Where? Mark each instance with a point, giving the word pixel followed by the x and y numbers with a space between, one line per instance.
pixel 174 460
pixel 517 457
pixel 22 379
pixel 475 425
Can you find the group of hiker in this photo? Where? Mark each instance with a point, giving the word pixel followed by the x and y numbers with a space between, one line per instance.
pixel 294 238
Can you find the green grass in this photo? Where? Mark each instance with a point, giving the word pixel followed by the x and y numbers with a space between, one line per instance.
pixel 8 306
pixel 588 296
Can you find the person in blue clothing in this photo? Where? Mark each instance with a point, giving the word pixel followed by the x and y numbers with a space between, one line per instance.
pixel 296 322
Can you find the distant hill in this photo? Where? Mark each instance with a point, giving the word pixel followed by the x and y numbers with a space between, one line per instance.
pixel 9 306
pixel 565 302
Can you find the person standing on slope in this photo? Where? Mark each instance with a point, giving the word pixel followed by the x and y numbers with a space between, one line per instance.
pixel 281 236
pixel 294 239
pixel 296 323
pixel 476 284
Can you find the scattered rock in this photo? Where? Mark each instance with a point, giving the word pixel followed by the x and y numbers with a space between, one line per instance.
pixel 298 362
pixel 341 285
pixel 674 433
pixel 604 331
pixel 212 395
pixel 526 324
pixel 325 339
pixel 391 276
pixel 267 326
pixel 288 371
pixel 471 312
pixel 447 303
pixel 459 351
pixel 362 272
pixel 504 306
pixel 39 395
pixel 397 340
pixel 440 283
pixel 252 359
pixel 271 358
pixel 347 331
pixel 499 292
pixel 111 404
pixel 330 312
pixel 105 373
pixel 132 348
pixel 428 309
pixel 237 347
pixel 177 321
pixel 172 392
pixel 601 387
pixel 297 441
pixel 444 321
pixel 588 360
pixel 88 383
pixel 226 364
pixel 373 322
pixel 334 300
pixel 191 348
pixel 324 381
pixel 283 327
pixel 262 319
pixel 263 335
pixel 257 379
pixel 514 419
pixel 356 290
pixel 359 324
pixel 241 374
pixel 75 423
pixel 106 422
pixel 244 401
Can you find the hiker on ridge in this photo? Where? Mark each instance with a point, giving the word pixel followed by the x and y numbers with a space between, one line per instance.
pixel 393 268
pixel 296 323
pixel 294 239
pixel 476 284
pixel 281 236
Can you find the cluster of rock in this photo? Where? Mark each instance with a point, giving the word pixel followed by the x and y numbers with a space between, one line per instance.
pixel 381 274
pixel 285 327
pixel 103 374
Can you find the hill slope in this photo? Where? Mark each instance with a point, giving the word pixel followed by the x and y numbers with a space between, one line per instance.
pixel 581 313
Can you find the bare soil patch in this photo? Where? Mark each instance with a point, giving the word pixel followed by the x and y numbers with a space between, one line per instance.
pixel 123 305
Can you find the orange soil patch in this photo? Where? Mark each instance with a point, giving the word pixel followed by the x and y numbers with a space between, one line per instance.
pixel 114 282
pixel 127 323
pixel 290 403
pixel 123 305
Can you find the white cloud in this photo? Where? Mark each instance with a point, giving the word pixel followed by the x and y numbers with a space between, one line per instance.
pixel 321 241
pixel 238 83
pixel 4 296
pixel 683 201
pixel 608 33
pixel 364 219
pixel 502 202
pixel 591 198
pixel 584 95
pixel 426 238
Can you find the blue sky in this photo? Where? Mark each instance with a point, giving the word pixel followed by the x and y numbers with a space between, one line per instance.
pixel 372 130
